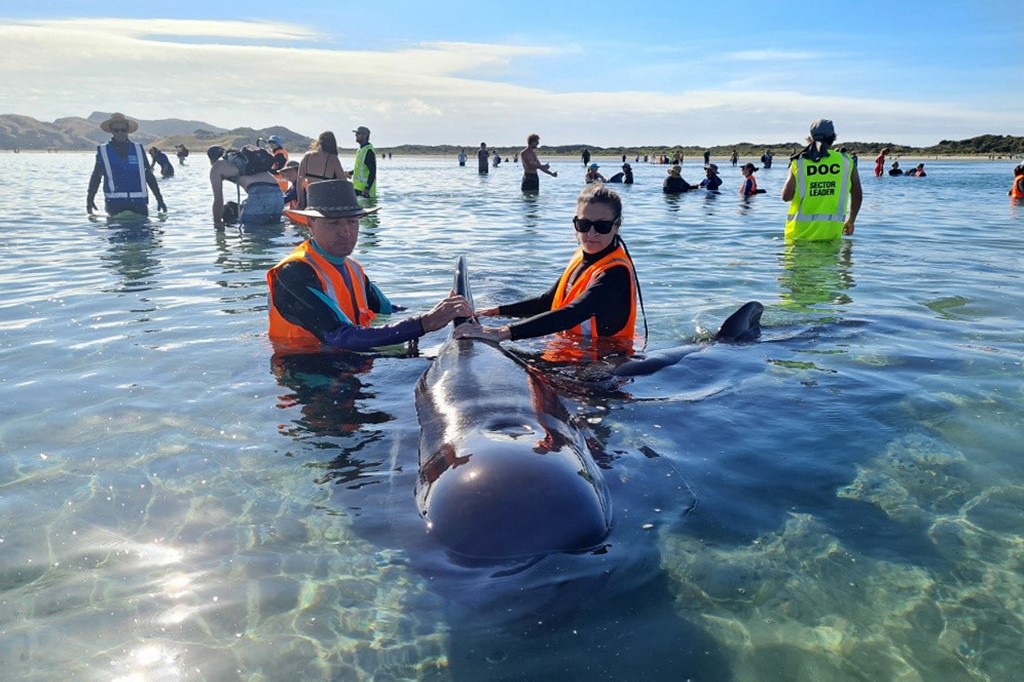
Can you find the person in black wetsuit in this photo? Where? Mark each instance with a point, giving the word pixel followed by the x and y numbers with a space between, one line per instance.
pixel 320 299
pixel 596 294
pixel 674 183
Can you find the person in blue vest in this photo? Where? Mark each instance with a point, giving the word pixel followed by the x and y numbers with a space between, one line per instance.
pixel 160 159
pixel 364 173
pixel 122 168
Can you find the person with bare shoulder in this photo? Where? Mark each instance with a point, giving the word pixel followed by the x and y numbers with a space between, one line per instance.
pixel 321 162
pixel 531 164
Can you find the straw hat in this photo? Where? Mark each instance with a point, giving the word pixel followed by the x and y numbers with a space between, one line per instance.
pixel 333 199
pixel 119 118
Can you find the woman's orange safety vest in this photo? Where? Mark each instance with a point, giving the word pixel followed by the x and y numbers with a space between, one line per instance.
pixel 565 294
pixel 347 291
pixel 1016 191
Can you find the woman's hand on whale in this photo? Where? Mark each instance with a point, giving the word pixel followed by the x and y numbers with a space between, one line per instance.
pixel 472 330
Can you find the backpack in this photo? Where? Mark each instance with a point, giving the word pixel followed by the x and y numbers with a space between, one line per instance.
pixel 250 159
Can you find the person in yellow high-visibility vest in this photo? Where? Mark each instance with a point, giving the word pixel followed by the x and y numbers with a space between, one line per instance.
pixel 364 174
pixel 822 184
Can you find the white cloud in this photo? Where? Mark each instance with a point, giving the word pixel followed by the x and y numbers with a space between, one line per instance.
pixel 235 73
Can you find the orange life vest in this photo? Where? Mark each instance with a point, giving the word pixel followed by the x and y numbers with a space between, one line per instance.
pixel 1016 192
pixel 347 291
pixel 753 185
pixel 565 293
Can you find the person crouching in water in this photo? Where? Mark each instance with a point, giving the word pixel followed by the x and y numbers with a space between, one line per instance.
pixel 160 159
pixel 320 298
pixel 264 203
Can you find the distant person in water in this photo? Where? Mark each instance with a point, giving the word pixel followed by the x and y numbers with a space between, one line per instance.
pixel 290 174
pixel 264 201
pixel 880 162
pixel 182 153
pixel 895 170
pixel 321 162
pixel 280 153
pixel 734 157
pixel 1017 188
pixel 707 156
pixel 825 201
pixel 625 177
pixel 462 157
pixel 593 175
pixel 674 183
pixel 160 159
pixel 917 171
pixel 364 169
pixel 483 158
pixel 122 169
pixel 585 156
pixel 531 164
pixel 748 187
pixel 711 181
pixel 767 158
pixel 321 299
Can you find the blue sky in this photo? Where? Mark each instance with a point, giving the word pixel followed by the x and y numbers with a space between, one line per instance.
pixel 599 73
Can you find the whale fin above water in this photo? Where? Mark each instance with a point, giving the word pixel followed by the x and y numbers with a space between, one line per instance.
pixel 742 326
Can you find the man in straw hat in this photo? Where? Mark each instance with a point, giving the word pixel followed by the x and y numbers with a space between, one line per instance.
pixel 122 167
pixel 321 299
pixel 822 183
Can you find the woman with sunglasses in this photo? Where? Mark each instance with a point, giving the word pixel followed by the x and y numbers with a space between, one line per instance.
pixel 595 298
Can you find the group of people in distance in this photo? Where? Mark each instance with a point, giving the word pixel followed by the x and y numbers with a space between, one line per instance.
pixel 322 299
pixel 895 169
pixel 127 177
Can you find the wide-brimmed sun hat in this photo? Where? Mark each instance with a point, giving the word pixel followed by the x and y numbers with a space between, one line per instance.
pixel 713 167
pixel 333 199
pixel 119 118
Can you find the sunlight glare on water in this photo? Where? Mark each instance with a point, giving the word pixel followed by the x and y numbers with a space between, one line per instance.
pixel 840 500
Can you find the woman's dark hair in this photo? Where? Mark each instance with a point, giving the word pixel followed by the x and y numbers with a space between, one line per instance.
pixel 598 193
pixel 326 143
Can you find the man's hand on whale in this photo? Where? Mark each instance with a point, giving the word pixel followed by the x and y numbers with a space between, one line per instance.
pixel 445 311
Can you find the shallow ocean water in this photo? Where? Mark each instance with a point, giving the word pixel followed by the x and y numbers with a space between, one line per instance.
pixel 841 500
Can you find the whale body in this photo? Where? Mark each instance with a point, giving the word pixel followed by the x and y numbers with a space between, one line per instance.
pixel 504 472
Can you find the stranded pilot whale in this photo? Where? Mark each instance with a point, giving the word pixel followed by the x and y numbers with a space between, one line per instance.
pixel 742 326
pixel 503 470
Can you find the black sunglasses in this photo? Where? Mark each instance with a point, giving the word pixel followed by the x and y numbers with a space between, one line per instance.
pixel 583 225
